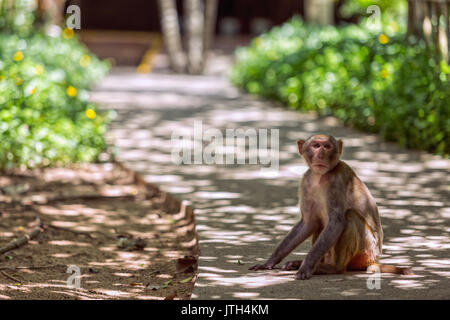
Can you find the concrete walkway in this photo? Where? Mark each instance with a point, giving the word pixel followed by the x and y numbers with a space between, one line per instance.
pixel 243 212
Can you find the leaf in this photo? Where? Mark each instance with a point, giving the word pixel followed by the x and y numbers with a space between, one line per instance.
pixel 153 287
pixel 171 297
pixel 130 244
pixel 166 284
pixel 186 280
pixel 8 257
pixel 240 262
pixel 136 284
pixel 139 244
pixel 186 264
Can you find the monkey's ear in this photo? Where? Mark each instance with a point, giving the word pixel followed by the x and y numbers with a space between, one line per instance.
pixel 340 144
pixel 300 144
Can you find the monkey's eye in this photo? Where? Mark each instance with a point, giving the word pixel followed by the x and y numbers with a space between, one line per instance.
pixel 316 145
pixel 327 146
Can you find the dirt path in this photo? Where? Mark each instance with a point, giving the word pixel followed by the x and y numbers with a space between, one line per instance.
pixel 126 238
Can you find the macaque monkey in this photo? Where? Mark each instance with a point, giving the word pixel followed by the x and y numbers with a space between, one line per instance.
pixel 339 213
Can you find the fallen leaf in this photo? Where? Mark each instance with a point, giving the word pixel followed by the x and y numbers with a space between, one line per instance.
pixel 239 262
pixel 171 220
pixel 166 284
pixel 136 284
pixel 139 244
pixel 171 297
pixel 185 263
pixel 130 244
pixel 92 270
pixel 8 257
pixel 186 280
pixel 153 287
pixel 123 243
pixel 17 189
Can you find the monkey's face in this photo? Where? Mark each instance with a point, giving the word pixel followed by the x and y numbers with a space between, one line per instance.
pixel 320 152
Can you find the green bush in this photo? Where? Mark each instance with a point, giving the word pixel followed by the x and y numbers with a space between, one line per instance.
pixel 45 116
pixel 389 9
pixel 378 81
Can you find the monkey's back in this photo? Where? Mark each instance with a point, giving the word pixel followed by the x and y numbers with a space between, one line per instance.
pixel 361 200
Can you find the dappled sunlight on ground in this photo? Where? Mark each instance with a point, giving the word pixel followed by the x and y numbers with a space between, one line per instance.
pixel 86 227
pixel 243 212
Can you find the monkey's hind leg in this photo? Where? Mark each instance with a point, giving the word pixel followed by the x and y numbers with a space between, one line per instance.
pixel 345 249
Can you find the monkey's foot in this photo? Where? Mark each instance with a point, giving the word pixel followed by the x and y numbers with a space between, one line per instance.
pixel 304 273
pixel 292 265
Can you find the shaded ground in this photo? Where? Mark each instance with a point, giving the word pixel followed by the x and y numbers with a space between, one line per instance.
pixel 243 212
pixel 92 216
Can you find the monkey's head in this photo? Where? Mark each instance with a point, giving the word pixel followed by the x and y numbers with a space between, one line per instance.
pixel 321 152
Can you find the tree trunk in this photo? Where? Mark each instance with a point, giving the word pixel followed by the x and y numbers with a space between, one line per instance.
pixel 209 28
pixel 195 26
pixel 171 33
pixel 49 12
pixel 319 11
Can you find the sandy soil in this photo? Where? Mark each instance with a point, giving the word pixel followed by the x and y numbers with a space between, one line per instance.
pixel 129 240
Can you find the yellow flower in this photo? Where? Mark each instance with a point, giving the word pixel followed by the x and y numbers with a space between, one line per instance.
pixel 18 56
pixel 68 33
pixel 384 73
pixel 30 90
pixel 71 91
pixel 85 60
pixel 394 26
pixel 383 39
pixel 90 113
pixel 18 81
pixel 39 69
pixel 258 42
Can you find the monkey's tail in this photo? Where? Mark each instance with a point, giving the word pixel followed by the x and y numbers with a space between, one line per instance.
pixel 387 268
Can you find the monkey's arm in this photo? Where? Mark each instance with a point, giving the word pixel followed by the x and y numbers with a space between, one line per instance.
pixel 299 233
pixel 324 243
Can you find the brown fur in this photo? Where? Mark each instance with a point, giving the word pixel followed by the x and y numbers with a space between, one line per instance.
pixel 338 211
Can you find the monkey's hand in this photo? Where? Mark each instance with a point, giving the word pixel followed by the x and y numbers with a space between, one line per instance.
pixel 305 272
pixel 265 266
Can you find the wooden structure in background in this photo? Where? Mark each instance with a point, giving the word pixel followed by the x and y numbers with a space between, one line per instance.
pixel 142 15
pixel 319 11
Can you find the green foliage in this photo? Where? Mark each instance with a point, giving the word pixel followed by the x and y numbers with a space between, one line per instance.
pixel 376 81
pixel 389 9
pixel 45 116
pixel 17 16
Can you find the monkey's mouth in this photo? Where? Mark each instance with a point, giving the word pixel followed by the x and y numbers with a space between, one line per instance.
pixel 320 165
